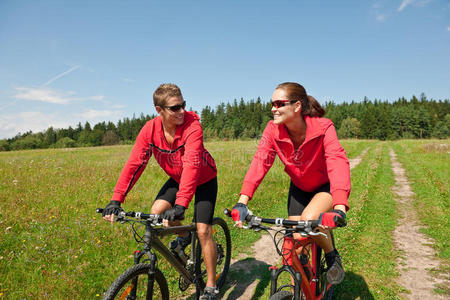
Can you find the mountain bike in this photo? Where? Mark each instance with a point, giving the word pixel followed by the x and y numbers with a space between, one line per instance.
pixel 144 280
pixel 305 274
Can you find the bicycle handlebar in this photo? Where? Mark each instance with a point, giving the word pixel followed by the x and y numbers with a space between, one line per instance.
pixel 255 222
pixel 137 215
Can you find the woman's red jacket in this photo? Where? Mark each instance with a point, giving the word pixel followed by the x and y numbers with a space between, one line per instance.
pixel 319 160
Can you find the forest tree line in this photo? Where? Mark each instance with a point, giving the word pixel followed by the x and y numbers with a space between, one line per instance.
pixel 383 120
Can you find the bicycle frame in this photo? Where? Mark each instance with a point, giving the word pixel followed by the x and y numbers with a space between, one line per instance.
pixel 292 264
pixel 151 240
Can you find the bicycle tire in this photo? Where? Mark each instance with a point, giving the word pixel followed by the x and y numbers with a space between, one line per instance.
pixel 222 239
pixel 120 290
pixel 282 295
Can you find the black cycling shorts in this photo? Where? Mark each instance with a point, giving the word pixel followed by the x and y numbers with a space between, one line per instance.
pixel 205 198
pixel 298 199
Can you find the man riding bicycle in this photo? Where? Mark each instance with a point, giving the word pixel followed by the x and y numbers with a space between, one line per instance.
pixel 175 138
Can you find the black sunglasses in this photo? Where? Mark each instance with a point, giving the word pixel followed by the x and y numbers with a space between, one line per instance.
pixel 282 103
pixel 175 108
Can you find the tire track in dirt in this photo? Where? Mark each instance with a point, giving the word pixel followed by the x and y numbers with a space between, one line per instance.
pixel 417 256
pixel 265 255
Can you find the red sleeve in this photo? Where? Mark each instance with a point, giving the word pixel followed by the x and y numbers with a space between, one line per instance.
pixel 191 159
pixel 135 165
pixel 261 163
pixel 338 168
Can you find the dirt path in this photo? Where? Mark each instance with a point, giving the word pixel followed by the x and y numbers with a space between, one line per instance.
pixel 417 256
pixel 264 255
pixel 355 161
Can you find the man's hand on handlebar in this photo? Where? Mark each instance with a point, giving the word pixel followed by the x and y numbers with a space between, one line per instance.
pixel 112 209
pixel 175 213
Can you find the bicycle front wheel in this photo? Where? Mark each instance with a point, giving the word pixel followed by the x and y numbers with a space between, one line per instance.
pixel 222 241
pixel 135 283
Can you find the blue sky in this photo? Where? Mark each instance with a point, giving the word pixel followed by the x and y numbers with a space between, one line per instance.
pixel 64 62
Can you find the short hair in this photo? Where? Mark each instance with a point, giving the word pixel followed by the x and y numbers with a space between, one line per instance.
pixel 164 92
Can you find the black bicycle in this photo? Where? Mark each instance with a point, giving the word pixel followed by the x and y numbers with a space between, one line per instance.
pixel 145 281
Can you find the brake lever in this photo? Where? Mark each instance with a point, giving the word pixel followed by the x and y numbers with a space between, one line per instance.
pixel 318 233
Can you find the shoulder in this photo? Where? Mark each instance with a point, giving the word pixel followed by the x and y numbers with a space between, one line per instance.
pixel 191 122
pixel 271 127
pixel 318 124
pixel 153 123
pixel 191 117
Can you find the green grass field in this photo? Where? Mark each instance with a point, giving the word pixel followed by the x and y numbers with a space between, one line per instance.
pixel 55 246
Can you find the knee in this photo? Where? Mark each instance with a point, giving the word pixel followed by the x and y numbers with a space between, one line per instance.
pixel 159 206
pixel 310 215
pixel 204 232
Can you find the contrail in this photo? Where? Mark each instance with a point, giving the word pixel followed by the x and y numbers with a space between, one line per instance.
pixel 61 75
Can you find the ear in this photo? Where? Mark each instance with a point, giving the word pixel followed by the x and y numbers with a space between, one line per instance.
pixel 298 106
pixel 158 109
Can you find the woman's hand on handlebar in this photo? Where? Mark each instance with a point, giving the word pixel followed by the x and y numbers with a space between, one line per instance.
pixel 240 211
pixel 332 219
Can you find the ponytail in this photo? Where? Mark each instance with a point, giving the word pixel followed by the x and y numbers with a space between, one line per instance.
pixel 315 109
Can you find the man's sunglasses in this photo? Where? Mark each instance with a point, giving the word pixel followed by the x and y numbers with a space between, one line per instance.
pixel 282 103
pixel 175 108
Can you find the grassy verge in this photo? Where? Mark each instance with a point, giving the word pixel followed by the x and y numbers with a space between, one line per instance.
pixel 426 165
pixel 353 148
pixel 366 243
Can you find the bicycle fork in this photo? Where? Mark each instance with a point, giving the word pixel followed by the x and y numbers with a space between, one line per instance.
pixel 151 273
pixel 275 273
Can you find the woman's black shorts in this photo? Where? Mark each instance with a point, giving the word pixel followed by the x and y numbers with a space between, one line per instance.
pixel 298 199
pixel 205 198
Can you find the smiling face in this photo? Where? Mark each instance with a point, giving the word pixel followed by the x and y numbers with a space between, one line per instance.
pixel 288 112
pixel 169 117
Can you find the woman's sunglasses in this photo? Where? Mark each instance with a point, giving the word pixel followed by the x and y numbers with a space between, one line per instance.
pixel 175 108
pixel 282 103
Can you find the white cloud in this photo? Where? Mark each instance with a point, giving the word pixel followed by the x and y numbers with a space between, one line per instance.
pixel 128 80
pixel 43 95
pixel 448 28
pixel 12 124
pixel 404 4
pixel 96 98
pixel 376 5
pixel 48 95
pixel 118 106
pixel 381 17
pixel 419 3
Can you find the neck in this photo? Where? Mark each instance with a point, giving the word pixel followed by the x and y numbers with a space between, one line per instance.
pixel 296 127
pixel 169 128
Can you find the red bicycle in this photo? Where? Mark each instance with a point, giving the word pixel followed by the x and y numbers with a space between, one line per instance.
pixel 306 273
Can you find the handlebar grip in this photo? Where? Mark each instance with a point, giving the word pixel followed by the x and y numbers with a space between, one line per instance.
pixel 340 222
pixel 227 212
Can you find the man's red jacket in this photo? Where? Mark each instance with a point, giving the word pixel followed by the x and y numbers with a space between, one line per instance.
pixel 319 160
pixel 186 160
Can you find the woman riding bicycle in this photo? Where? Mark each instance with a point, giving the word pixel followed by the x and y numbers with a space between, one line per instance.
pixel 315 161
pixel 175 138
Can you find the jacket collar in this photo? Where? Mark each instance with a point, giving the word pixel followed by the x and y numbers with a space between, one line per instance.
pixel 313 129
pixel 189 117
